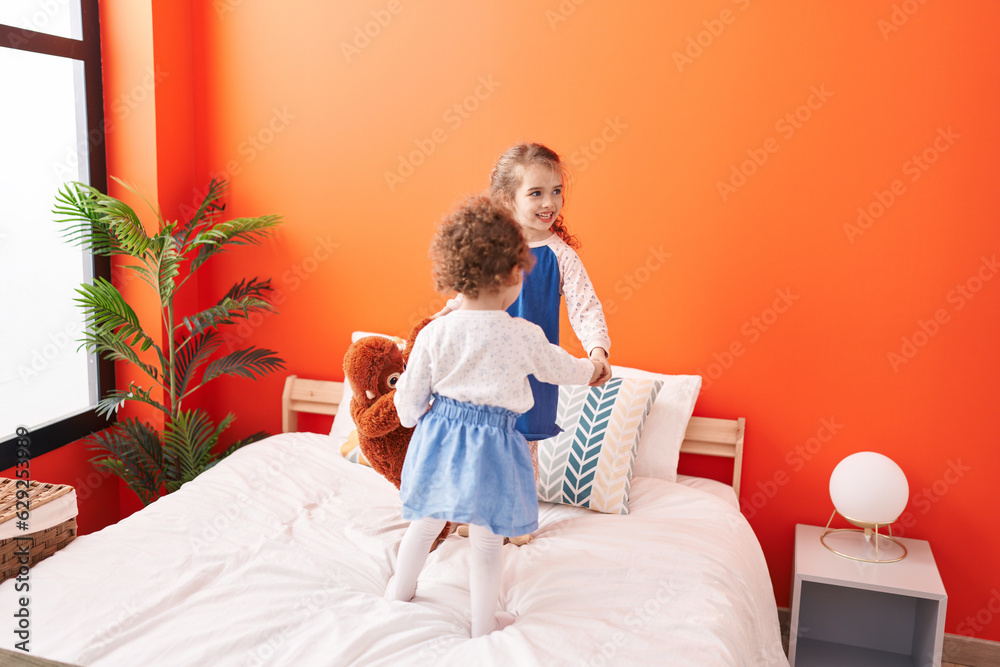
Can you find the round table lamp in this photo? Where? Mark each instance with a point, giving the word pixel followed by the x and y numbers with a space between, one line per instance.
pixel 870 491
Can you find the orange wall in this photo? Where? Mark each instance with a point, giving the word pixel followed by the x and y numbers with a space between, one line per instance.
pixel 828 334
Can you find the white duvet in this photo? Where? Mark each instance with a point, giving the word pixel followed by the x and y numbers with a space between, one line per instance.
pixel 280 554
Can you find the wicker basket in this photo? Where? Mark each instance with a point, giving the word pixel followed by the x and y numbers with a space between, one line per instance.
pixel 43 543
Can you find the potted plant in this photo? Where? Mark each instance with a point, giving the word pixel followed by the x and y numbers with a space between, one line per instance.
pixel 151 462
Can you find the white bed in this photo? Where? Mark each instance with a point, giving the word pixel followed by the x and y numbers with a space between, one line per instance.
pixel 279 556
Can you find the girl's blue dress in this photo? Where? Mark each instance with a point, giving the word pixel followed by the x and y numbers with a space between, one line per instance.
pixel 538 302
pixel 467 463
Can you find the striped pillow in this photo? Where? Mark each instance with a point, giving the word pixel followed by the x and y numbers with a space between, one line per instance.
pixel 590 463
pixel 351 449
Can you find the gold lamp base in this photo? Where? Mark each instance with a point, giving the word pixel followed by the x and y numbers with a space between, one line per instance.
pixel 843 542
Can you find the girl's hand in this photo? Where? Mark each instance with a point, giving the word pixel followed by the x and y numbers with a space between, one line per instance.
pixel 598 372
pixel 443 311
pixel 600 359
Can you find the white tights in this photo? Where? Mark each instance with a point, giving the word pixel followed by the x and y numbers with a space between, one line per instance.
pixel 484 577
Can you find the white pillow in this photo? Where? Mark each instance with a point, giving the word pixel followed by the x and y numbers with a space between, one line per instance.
pixel 663 432
pixel 343 423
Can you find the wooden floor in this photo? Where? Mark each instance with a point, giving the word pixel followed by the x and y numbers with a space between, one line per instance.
pixel 24 660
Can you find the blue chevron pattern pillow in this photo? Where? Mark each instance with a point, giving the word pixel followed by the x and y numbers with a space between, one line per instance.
pixel 590 463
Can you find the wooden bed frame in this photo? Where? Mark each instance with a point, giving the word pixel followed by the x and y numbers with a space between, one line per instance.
pixel 705 435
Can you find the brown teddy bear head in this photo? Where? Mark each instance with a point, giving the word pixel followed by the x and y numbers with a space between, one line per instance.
pixel 372 365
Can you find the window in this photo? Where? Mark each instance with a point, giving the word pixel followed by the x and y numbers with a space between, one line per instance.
pixel 52 124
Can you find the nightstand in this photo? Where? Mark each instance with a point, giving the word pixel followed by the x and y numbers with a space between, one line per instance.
pixel 847 612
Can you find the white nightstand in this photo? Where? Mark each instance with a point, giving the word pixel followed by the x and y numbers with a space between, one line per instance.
pixel 847 612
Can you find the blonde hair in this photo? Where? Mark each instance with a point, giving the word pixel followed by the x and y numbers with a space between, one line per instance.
pixel 478 247
pixel 508 172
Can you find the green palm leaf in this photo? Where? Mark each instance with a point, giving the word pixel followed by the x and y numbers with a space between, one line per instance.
pixel 250 363
pixel 210 318
pixel 209 209
pixel 115 398
pixel 77 209
pixel 261 289
pixel 239 302
pixel 132 451
pixel 210 206
pixel 192 354
pixel 167 261
pixel 241 231
pixel 109 315
pixel 138 193
pixel 113 329
pixel 124 224
pixel 188 440
pixel 114 349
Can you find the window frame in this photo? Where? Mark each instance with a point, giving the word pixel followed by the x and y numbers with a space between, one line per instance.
pixel 53 435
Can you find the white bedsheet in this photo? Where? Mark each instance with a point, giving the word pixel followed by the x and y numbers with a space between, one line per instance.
pixel 279 556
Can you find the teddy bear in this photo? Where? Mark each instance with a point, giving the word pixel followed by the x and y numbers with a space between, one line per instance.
pixel 372 366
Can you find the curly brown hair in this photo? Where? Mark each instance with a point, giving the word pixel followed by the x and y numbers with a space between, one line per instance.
pixel 508 171
pixel 477 247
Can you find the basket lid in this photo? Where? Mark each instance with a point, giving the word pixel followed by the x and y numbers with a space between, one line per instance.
pixel 39 493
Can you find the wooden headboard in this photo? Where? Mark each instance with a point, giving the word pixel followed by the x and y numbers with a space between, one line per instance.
pixel 705 435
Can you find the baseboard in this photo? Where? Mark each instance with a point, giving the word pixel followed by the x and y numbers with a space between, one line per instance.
pixel 958 649
pixel 962 650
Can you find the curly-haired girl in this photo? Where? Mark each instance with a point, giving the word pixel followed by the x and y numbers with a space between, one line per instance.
pixel 466 462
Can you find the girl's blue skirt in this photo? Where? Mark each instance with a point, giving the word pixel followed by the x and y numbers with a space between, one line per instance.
pixel 467 463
